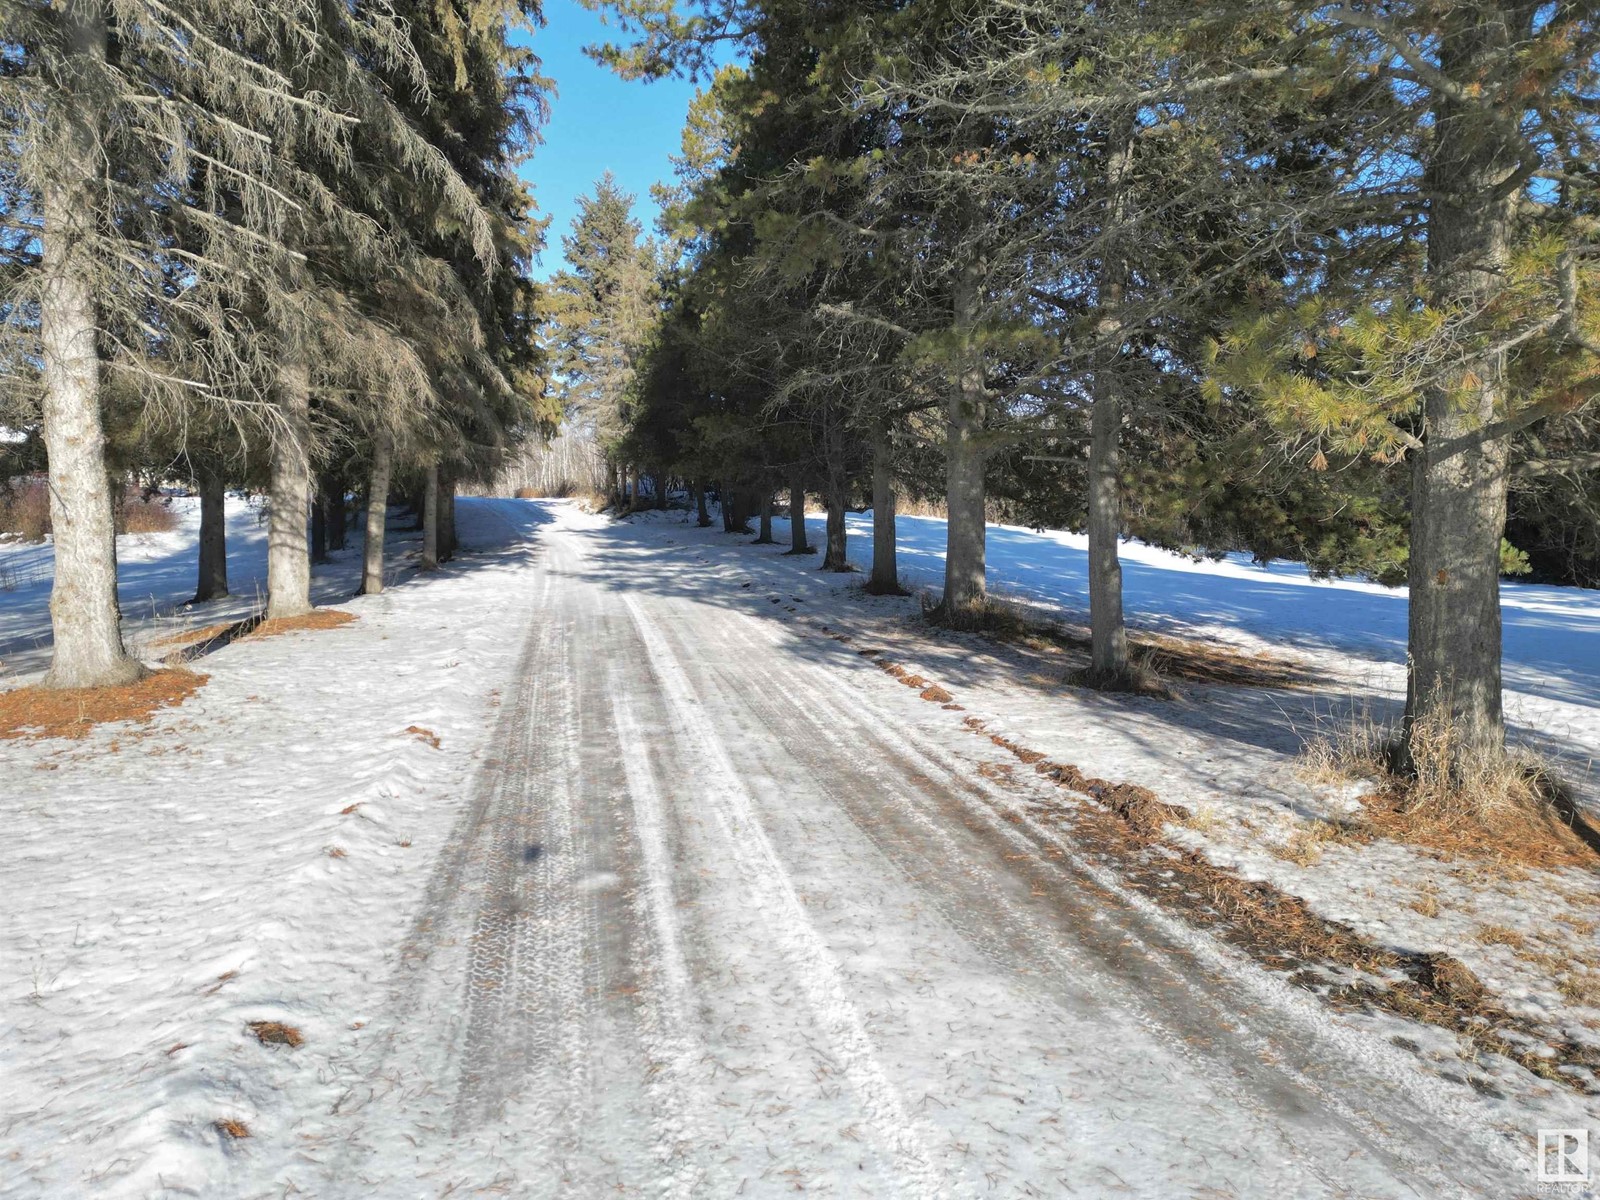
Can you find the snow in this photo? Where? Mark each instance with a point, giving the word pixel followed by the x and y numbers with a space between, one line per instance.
pixel 168 886
pixel 766 947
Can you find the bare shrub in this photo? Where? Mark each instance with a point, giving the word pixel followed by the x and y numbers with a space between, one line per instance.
pixel 145 514
pixel 25 509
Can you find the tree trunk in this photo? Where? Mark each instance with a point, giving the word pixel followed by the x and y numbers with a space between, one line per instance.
pixel 797 516
pixel 834 558
pixel 430 519
pixel 885 579
pixel 447 517
pixel 702 516
pixel 212 583
pixel 1458 492
pixel 333 493
pixel 377 516
pixel 288 554
pixel 319 525
pixel 964 571
pixel 764 537
pixel 84 615
pixel 661 488
pixel 1108 633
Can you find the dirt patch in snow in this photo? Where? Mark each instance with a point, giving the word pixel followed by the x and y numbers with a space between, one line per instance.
pixel 36 712
pixel 276 1033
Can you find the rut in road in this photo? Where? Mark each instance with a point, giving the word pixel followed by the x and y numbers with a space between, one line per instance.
pixel 726 916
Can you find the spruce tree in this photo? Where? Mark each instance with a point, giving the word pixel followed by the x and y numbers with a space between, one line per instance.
pixel 601 310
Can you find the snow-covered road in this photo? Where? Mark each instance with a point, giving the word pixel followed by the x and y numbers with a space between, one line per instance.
pixel 726 914
pixel 593 865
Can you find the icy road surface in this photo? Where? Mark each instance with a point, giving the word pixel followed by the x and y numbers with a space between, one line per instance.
pixel 726 915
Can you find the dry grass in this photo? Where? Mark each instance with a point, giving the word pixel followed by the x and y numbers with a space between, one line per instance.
pixel 231 1127
pixel 139 515
pixel 1580 987
pixel 36 712
pixel 424 735
pixel 1426 901
pixel 317 618
pixel 276 1033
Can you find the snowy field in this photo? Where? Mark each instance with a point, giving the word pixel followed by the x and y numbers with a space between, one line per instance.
pixel 273 851
pixel 155 578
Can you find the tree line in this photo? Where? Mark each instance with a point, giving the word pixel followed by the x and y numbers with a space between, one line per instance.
pixel 1314 280
pixel 279 246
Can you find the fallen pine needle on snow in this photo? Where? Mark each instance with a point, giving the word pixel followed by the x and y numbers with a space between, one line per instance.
pixel 37 712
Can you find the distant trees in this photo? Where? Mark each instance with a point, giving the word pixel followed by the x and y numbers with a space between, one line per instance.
pixel 293 227
pixel 1209 272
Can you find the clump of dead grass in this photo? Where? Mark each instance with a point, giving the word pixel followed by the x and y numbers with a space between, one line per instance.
pixel 25 509
pixel 1144 677
pixel 145 514
pixel 1307 842
pixel 276 1033
pixel 232 1128
pixel 1580 987
pixel 1425 902
pixel 37 712
pixel 1500 935
pixel 1456 801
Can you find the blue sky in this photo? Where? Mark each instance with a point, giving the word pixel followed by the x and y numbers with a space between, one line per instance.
pixel 598 122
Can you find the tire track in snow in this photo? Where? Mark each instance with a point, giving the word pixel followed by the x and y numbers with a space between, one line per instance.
pixel 680 1119
pixel 901 1138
